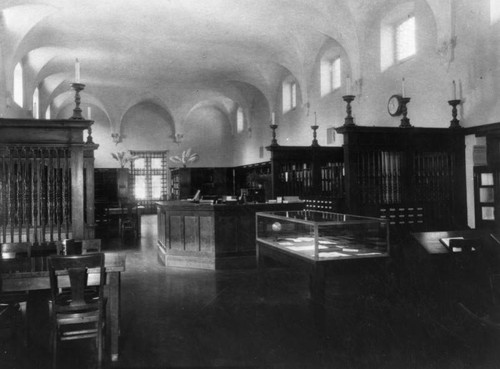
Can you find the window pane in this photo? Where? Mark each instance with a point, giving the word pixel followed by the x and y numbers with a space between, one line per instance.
pixel 140 187
pixel 140 163
pixel 405 39
pixel 156 186
pixel 486 194
pixel 239 120
pixel 294 95
pixel 486 179
pixel 156 163
pixel 336 74
pixel 18 84
pixel 47 112
pixel 36 98
pixel 287 97
pixel 488 213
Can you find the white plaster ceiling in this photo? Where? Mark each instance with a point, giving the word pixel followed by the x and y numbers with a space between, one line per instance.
pixel 142 45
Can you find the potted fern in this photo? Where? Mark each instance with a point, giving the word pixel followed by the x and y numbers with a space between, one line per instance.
pixel 187 156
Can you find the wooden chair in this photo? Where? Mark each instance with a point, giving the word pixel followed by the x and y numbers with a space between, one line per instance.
pixel 44 250
pixel 128 219
pixel 77 315
pixel 13 305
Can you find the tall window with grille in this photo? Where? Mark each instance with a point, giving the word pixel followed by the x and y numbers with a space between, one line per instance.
pixel 149 178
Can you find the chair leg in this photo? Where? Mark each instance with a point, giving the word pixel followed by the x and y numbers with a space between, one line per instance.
pixel 54 350
pixel 99 346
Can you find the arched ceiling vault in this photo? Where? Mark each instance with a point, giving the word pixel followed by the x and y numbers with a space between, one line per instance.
pixel 132 46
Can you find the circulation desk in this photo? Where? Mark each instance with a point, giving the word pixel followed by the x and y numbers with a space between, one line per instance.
pixel 210 236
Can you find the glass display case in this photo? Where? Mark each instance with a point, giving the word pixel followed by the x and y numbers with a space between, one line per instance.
pixel 323 236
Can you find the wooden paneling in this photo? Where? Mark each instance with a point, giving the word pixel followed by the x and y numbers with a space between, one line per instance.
pixel 176 226
pixel 209 236
pixel 192 233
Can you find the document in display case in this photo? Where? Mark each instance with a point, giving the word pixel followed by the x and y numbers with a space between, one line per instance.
pixel 323 236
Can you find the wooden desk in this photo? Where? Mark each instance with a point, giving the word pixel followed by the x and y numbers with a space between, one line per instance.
pixel 117 211
pixel 430 241
pixel 26 274
pixel 206 236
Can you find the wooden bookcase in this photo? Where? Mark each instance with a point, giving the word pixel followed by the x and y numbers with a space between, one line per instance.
pixel 47 180
pixel 210 181
pixel 310 172
pixel 415 177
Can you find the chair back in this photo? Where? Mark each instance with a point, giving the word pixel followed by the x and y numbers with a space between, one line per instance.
pixel 47 249
pixel 77 268
pixel 15 250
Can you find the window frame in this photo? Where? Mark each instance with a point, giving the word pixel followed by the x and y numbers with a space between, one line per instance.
pixel 240 120
pixel 330 62
pixel 389 38
pixel 18 85
pixel 149 172
pixel 36 103
pixel 395 40
pixel 290 86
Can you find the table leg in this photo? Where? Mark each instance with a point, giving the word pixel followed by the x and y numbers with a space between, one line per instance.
pixel 114 312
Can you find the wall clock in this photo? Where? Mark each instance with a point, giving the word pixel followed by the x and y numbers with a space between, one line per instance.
pixel 394 106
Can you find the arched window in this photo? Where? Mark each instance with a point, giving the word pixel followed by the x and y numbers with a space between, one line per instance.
pixel 494 11
pixel 48 112
pixel 397 36
pixel 240 120
pixel 36 104
pixel 289 95
pixel 18 85
pixel 330 75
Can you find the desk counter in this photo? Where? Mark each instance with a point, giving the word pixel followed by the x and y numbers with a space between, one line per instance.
pixel 210 236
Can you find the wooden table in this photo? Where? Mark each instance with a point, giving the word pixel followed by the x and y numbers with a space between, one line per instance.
pixel 430 241
pixel 118 212
pixel 26 274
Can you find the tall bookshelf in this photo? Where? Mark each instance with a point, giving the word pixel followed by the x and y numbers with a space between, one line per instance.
pixel 309 172
pixel 184 182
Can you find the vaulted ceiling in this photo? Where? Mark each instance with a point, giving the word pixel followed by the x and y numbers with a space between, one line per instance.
pixel 137 44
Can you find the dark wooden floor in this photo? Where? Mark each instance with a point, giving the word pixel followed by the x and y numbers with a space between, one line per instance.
pixel 180 318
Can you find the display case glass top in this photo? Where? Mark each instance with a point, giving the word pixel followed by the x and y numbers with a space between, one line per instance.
pixel 323 236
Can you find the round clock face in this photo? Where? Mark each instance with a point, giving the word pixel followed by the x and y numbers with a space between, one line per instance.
pixel 394 105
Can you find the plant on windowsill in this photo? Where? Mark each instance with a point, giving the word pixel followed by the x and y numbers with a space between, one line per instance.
pixel 123 157
pixel 185 158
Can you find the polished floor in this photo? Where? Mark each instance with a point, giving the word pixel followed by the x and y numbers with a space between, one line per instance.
pixel 181 318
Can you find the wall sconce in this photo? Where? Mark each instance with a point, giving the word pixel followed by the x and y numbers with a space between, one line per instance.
pixel 178 137
pixel 116 138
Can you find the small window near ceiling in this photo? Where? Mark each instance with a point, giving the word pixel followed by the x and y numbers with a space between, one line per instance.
pixel 240 120
pixel 47 113
pixel 405 39
pixel 494 11
pixel 36 98
pixel 330 75
pixel 18 84
pixel 289 95
pixel 397 38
